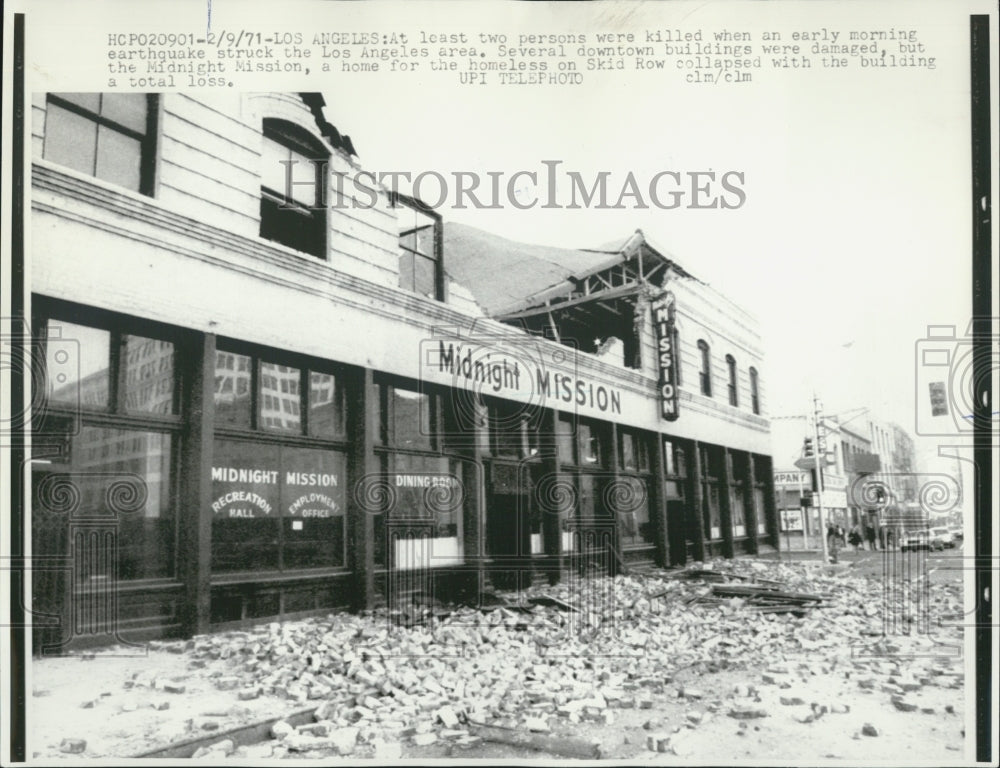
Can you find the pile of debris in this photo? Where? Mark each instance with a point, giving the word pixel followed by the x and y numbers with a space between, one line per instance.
pixel 565 654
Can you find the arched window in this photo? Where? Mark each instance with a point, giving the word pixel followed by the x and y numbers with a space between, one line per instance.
pixel 292 188
pixel 734 397
pixel 754 391
pixel 706 368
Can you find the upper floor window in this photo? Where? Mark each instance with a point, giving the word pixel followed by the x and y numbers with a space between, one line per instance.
pixel 420 247
pixel 734 398
pixel 706 368
pixel 108 135
pixel 292 188
pixel 754 391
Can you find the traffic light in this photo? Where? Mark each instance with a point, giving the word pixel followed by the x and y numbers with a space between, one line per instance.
pixel 806 500
pixel 807 448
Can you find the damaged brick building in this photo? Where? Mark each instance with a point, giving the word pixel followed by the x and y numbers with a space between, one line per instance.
pixel 262 400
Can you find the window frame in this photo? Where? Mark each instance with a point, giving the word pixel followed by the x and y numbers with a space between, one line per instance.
pixel 147 141
pixel 643 472
pixel 754 391
pixel 71 419
pixel 257 433
pixel 733 386
pixel 306 365
pixel 705 375
pixel 387 449
pixel 399 200
pixel 298 139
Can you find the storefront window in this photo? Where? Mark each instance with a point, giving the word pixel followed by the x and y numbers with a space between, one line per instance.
pixel 408 418
pixel 589 445
pixel 277 507
pixel 126 476
pixel 506 429
pixel 149 375
pixel 78 365
pixel 712 466
pixel 632 507
pixel 280 398
pixel 117 477
pixel 426 488
pixel 326 406
pixel 232 389
pixel 565 440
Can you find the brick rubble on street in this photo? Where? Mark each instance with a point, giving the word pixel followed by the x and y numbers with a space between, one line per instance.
pixel 544 671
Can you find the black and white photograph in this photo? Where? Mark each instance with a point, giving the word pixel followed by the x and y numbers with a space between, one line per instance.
pixel 499 382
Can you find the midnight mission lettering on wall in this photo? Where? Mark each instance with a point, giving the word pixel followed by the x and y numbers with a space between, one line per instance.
pixel 500 373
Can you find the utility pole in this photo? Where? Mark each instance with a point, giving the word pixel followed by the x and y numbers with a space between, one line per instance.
pixel 819 476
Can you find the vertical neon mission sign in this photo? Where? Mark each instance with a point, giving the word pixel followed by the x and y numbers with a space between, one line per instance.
pixel 663 320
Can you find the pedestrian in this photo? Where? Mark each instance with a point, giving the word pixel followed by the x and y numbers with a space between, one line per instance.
pixel 870 535
pixel 855 538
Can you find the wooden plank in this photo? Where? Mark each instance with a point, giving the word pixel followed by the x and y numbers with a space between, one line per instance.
pixel 241 736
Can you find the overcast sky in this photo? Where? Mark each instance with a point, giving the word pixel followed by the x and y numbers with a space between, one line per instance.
pixel 855 232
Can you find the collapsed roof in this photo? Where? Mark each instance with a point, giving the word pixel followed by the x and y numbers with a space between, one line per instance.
pixel 582 297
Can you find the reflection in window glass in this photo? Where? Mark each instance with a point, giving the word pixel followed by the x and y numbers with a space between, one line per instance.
pixel 119 158
pixel 122 477
pixel 565 441
pixel 280 398
pixel 633 512
pixel 232 389
pixel 629 460
pixel 427 488
pixel 412 419
pixel 590 448
pixel 737 510
pixel 128 109
pixel 101 135
pixel 325 406
pixel 77 364
pixel 70 139
pixel 149 375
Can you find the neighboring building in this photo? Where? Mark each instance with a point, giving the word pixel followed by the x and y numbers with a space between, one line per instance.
pixel 859 463
pixel 796 480
pixel 262 405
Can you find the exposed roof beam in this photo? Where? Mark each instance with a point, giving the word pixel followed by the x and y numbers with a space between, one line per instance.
pixel 611 293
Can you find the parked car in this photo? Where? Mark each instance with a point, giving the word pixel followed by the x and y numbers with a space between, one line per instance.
pixel 956 532
pixel 914 540
pixel 943 534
